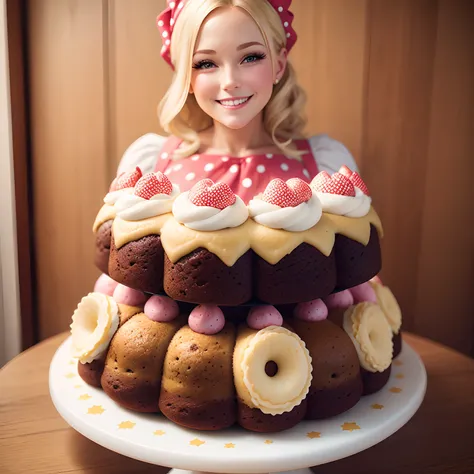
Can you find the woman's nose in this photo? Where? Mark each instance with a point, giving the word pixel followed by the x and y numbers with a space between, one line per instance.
pixel 230 79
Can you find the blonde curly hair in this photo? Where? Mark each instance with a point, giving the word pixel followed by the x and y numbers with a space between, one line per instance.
pixel 180 114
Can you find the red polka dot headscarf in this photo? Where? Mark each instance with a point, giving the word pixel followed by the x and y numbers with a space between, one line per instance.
pixel 167 19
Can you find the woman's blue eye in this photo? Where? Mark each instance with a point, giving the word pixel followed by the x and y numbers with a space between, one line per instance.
pixel 203 65
pixel 251 58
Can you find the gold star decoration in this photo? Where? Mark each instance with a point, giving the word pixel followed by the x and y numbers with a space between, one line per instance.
pixel 395 390
pixel 196 442
pixel 398 362
pixel 350 426
pixel 229 445
pixel 77 386
pixel 376 406
pixel 313 434
pixel 126 425
pixel 158 433
pixel 95 410
pixel 400 376
pixel 85 396
pixel 268 441
pixel 70 375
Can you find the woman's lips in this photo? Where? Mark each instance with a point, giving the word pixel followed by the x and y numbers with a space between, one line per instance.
pixel 235 103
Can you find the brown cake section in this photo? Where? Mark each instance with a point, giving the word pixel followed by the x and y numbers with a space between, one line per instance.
pixel 356 263
pixel 92 372
pixel 253 419
pixel 138 264
pixel 303 275
pixel 198 387
pixel 201 277
pixel 102 246
pixel 134 363
pixel 336 384
pixel 397 343
pixel 374 381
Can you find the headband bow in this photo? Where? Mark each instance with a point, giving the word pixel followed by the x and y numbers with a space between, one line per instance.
pixel 167 19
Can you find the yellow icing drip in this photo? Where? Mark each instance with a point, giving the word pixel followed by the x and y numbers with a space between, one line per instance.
pixel 106 213
pixel 128 231
pixel 230 244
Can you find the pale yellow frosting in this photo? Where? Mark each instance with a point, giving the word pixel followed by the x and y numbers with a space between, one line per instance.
pixel 128 231
pixel 230 244
pixel 106 213
pixel 389 305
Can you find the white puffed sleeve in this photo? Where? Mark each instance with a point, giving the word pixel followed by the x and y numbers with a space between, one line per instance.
pixel 330 154
pixel 143 152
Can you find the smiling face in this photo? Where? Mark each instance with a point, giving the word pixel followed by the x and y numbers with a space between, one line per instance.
pixel 233 74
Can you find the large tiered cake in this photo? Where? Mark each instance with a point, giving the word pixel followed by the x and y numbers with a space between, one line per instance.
pixel 214 312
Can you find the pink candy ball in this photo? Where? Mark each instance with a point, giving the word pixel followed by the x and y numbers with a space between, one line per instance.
pixel 105 285
pixel 342 299
pixel 125 295
pixel 311 311
pixel 161 309
pixel 206 319
pixel 260 317
pixel 363 292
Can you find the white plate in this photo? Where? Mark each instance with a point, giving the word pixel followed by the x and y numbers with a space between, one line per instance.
pixel 154 439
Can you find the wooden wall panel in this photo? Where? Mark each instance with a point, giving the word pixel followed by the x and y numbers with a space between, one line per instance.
pixel 444 306
pixel 400 75
pixel 66 62
pixel 329 58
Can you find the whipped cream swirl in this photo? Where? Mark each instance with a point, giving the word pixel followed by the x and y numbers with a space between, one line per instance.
pixel 348 206
pixel 131 207
pixel 208 218
pixel 294 219
pixel 112 197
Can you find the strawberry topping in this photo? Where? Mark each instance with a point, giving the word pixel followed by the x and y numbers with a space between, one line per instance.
pixel 319 180
pixel 347 172
pixel 129 179
pixel 339 184
pixel 114 184
pixel 301 189
pixel 206 193
pixel 359 183
pixel 290 194
pixel 152 184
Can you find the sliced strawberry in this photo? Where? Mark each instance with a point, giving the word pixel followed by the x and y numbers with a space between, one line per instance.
pixel 301 190
pixel 339 184
pixel 347 172
pixel 114 184
pixel 359 183
pixel 152 184
pixel 206 193
pixel 129 179
pixel 319 180
pixel 278 193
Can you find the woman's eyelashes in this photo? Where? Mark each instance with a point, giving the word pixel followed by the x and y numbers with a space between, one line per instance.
pixel 249 58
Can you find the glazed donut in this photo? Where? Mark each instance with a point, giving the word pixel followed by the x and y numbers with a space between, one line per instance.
pixel 371 334
pixel 284 390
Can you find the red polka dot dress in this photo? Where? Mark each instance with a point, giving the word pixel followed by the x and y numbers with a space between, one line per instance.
pixel 247 176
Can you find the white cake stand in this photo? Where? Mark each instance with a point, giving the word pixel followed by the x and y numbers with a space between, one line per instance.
pixel 154 439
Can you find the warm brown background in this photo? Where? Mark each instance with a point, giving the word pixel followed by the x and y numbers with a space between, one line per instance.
pixel 392 79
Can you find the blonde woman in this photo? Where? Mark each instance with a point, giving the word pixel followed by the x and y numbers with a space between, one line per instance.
pixel 233 109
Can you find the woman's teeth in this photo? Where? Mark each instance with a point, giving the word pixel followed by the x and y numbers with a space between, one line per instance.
pixel 230 103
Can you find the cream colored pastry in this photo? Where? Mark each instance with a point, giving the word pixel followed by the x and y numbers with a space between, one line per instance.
pixel 289 386
pixel 94 322
pixel 106 213
pixel 387 301
pixel 371 334
pixel 270 244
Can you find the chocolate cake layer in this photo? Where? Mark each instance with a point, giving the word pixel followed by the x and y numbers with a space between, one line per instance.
pixel 102 246
pixel 201 277
pixel 209 416
pixel 254 419
pixel 303 275
pixel 397 343
pixel 138 264
pixel 356 263
pixel 374 381
pixel 92 372
pixel 336 385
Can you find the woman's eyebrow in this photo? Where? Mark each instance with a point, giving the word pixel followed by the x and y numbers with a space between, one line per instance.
pixel 239 48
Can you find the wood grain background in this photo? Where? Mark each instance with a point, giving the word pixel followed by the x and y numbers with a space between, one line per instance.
pixel 393 80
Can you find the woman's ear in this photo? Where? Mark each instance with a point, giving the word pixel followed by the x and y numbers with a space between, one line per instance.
pixel 281 61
